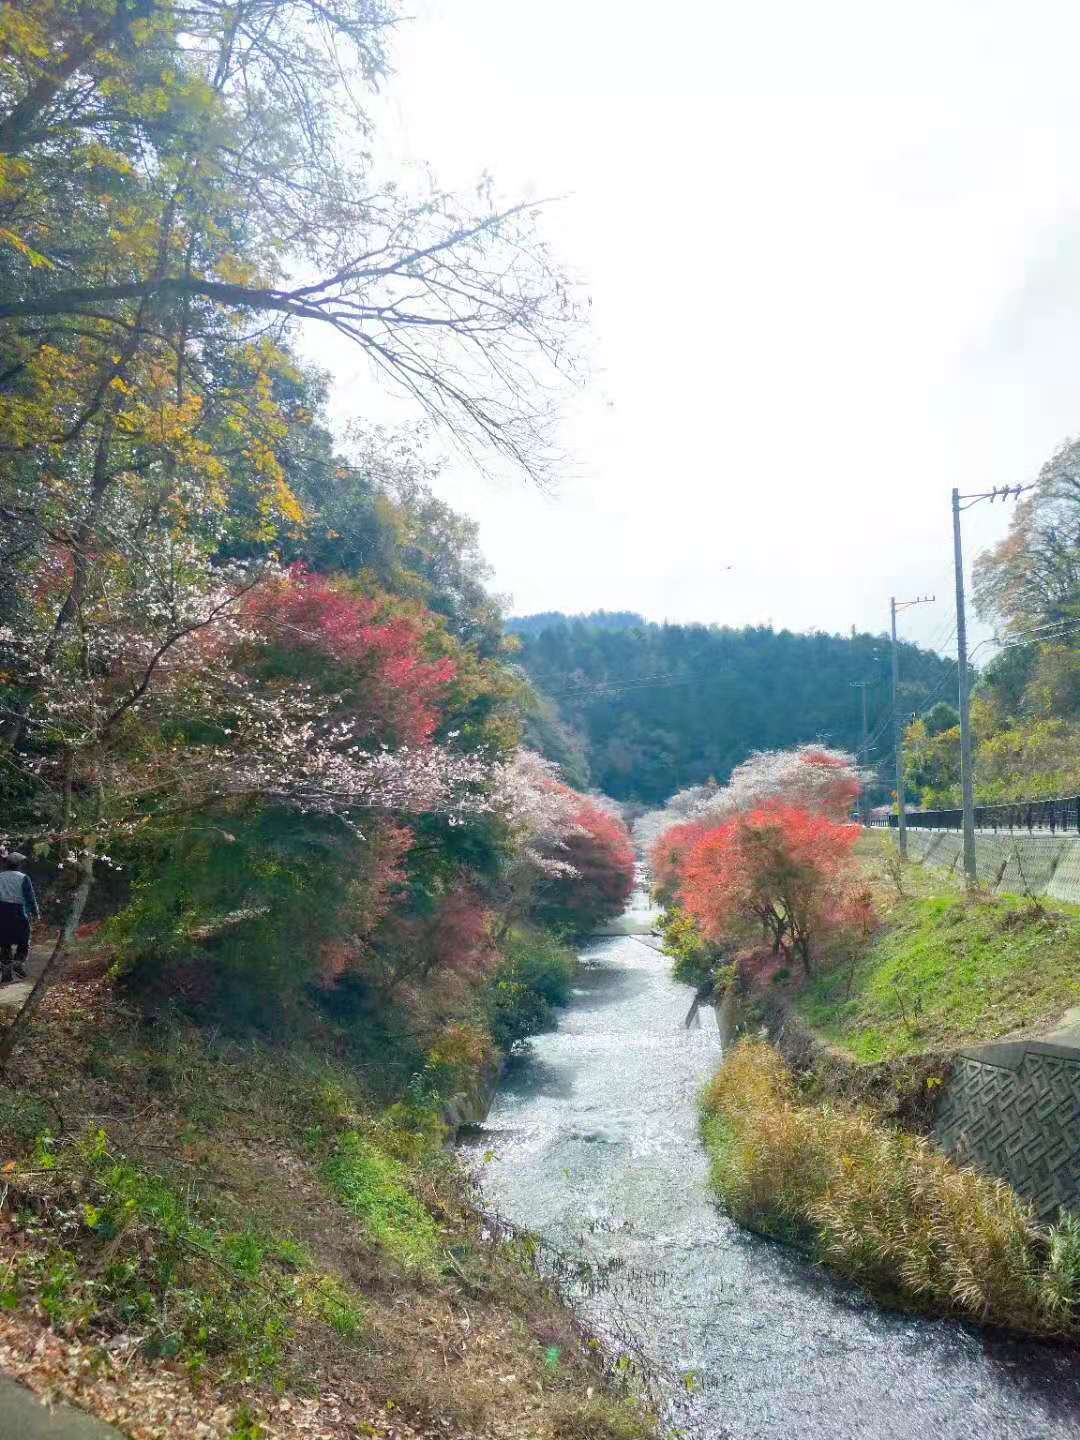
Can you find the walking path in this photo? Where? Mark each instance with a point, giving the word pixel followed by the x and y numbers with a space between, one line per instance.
pixel 13 995
pixel 23 1415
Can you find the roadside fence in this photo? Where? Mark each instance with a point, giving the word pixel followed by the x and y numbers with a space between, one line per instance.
pixel 1054 817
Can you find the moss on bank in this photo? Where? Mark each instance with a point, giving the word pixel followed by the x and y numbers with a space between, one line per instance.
pixel 883 1207
pixel 947 971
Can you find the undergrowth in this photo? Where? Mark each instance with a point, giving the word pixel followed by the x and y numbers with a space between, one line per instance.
pixel 107 1247
pixel 373 1187
pixel 883 1207
pixel 250 1216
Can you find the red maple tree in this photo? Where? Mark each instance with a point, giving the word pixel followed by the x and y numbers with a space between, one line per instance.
pixel 786 868
pixel 396 688
pixel 602 855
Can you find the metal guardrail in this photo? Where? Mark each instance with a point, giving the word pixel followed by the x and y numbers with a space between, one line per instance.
pixel 1055 816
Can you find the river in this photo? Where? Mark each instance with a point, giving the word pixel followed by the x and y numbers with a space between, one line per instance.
pixel 592 1141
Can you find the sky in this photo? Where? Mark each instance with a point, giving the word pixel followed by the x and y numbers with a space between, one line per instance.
pixel 833 258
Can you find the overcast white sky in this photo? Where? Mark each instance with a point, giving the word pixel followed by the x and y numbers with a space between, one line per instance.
pixel 834 257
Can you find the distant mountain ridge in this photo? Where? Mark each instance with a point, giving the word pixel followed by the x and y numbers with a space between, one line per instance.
pixel 600 619
pixel 640 709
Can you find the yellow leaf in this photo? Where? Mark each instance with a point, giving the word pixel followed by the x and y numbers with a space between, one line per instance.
pixel 36 259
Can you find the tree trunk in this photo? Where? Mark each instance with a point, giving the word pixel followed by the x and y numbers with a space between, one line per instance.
pixel 16 1031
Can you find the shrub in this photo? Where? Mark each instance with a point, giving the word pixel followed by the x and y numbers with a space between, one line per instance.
pixel 883 1207
pixel 697 961
pixel 524 992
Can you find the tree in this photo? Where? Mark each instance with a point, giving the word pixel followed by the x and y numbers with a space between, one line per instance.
pixel 822 781
pixel 787 869
pixel 661 708
pixel 1030 582
pixel 941 717
pixel 168 165
pixel 600 875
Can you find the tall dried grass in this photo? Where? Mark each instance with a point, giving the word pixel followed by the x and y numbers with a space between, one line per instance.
pixel 882 1207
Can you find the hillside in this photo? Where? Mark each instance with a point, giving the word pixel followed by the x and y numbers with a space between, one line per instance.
pixel 650 708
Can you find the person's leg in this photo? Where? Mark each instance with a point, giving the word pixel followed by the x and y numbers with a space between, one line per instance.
pixel 6 976
pixel 22 952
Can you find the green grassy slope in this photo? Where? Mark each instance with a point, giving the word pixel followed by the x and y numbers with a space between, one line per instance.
pixel 945 971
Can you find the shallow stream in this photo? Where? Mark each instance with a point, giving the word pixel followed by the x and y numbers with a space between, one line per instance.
pixel 593 1142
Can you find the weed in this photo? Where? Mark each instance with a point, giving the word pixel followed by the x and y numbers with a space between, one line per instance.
pixel 597 1417
pixel 244 1426
pixel 881 1206
pixel 374 1187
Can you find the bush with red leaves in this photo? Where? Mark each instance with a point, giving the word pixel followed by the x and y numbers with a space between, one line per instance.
pixel 668 855
pixel 602 856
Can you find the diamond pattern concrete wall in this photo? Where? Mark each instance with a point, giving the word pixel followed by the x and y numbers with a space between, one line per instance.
pixel 1013 1110
pixel 1044 864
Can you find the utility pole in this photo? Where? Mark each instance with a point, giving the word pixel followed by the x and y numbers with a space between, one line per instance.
pixel 967 779
pixel 967 773
pixel 898 728
pixel 864 808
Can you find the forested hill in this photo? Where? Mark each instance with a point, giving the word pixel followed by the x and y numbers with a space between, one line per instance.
pixel 644 709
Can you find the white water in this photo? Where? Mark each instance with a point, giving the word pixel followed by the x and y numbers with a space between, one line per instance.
pixel 595 1145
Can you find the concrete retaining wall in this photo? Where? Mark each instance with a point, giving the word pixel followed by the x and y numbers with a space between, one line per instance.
pixel 1044 864
pixel 1013 1110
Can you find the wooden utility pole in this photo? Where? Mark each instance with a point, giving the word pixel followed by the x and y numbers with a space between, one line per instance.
pixel 898 725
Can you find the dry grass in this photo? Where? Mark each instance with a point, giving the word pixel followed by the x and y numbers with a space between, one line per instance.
pixel 883 1207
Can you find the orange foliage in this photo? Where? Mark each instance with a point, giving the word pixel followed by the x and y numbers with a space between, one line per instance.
pixel 786 868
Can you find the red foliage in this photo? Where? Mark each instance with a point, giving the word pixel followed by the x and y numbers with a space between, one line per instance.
pixel 600 850
pixel 787 868
pixel 460 937
pixel 401 690
pixel 432 962
pixel 668 856
pixel 368 898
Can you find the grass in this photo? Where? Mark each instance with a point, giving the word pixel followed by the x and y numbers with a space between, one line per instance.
pixel 947 970
pixel 373 1187
pixel 882 1207
pixel 246 1221
pixel 110 1247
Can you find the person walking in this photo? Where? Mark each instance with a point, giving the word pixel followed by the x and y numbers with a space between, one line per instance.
pixel 18 906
